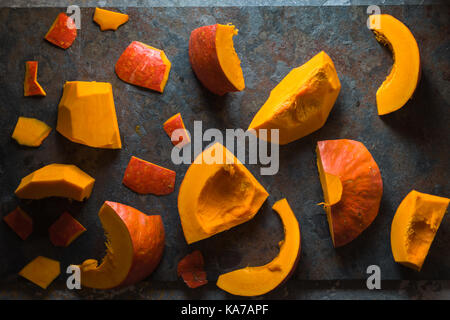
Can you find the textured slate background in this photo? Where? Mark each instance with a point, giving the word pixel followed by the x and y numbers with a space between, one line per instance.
pixel 410 146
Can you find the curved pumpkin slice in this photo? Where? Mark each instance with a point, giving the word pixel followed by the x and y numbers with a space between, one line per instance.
pixel 301 102
pixel 56 180
pixel 401 83
pixel 414 227
pixel 217 193
pixel 30 132
pixel 135 244
pixel 31 86
pixel 214 60
pixel 109 20
pixel 352 187
pixel 254 281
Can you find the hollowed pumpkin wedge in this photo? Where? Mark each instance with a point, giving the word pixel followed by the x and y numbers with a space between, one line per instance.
pixel 217 193
pixel 402 81
pixel 254 281
pixel 134 247
pixel 56 180
pixel 352 187
pixel 31 86
pixel 301 102
pixel 109 20
pixel 414 227
pixel 214 60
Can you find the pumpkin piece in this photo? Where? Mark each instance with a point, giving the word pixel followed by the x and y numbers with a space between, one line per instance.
pixel 56 180
pixel 65 230
pixel 255 281
pixel 20 222
pixel 414 227
pixel 190 268
pixel 134 247
pixel 30 132
pixel 352 204
pixel 214 59
pixel 41 271
pixel 109 20
pixel 217 193
pixel 181 137
pixel 87 115
pixel 145 177
pixel 31 86
pixel 400 84
pixel 63 31
pixel 301 102
pixel 144 66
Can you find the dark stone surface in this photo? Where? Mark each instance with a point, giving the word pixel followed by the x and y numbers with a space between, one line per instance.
pixel 410 146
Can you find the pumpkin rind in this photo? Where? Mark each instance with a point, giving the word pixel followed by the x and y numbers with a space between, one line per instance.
pixel 31 86
pixel 20 222
pixel 63 31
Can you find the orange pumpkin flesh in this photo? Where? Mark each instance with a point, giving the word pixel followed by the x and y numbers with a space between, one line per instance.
pixel 20 222
pixel 31 86
pixel 352 204
pixel 414 227
pixel 63 31
pixel 65 230
pixel 402 81
pixel 134 247
pixel 254 281
pixel 30 132
pixel 109 20
pixel 217 193
pixel 181 137
pixel 41 271
pixel 214 60
pixel 144 66
pixel 190 268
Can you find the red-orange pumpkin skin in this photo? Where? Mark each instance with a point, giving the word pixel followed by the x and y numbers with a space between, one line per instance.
pixel 63 31
pixel 362 187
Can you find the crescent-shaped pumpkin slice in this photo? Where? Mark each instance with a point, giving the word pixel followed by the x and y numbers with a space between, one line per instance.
pixel 217 193
pixel 414 227
pixel 255 281
pixel 402 81
pixel 352 187
pixel 134 247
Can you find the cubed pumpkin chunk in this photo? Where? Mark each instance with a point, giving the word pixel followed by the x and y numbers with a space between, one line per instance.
pixel 65 230
pixel 109 20
pixel 145 177
pixel 41 271
pixel 190 268
pixel 181 136
pixel 30 132
pixel 56 180
pixel 31 86
pixel 63 31
pixel 20 222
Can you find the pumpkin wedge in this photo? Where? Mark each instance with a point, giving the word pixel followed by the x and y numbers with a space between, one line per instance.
pixel 134 247
pixel 301 102
pixel 30 132
pixel 56 180
pixel 109 20
pixel 352 187
pixel 255 281
pixel 214 59
pixel 414 227
pixel 404 77
pixel 63 31
pixel 217 193
pixel 31 86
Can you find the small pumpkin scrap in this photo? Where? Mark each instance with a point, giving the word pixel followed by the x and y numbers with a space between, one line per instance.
pixel 20 222
pixel 134 247
pixel 41 271
pixel 144 66
pixel 352 187
pixel 56 180
pixel 191 269
pixel 65 230
pixel 145 177
pixel 217 193
pixel 400 84
pixel 414 227
pixel 63 31
pixel 255 281
pixel 180 137
pixel 109 20
pixel 30 132
pixel 31 86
